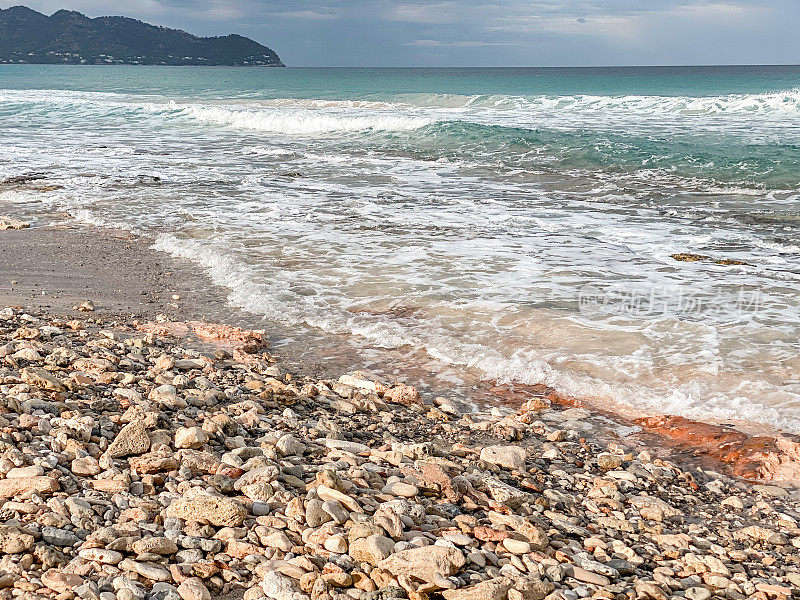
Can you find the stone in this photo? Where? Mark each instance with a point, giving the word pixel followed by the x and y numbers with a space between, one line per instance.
pixel 218 511
pixel 61 582
pixel 404 394
pixel 14 540
pixel 326 493
pixel 12 223
pixel 516 546
pixel 19 486
pixel 155 545
pixel 280 587
pixel 337 544
pixel 101 555
pixel 42 379
pixel 288 445
pixel 190 437
pixel 698 593
pixel 148 570
pixel 493 589
pixel 424 563
pixel 193 589
pixel 609 462
pixel 352 447
pixel 85 467
pixel 509 457
pixel 371 549
pixel 131 439
pixel 589 577
pixel 59 537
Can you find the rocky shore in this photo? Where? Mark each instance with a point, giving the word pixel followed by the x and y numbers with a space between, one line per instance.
pixel 135 465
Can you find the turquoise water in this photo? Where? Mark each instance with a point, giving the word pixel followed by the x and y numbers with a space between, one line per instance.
pixel 512 224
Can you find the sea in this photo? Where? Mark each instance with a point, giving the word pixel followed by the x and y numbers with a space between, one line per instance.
pixel 625 235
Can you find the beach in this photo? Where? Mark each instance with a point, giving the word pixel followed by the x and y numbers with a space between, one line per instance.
pixel 320 334
pixel 152 452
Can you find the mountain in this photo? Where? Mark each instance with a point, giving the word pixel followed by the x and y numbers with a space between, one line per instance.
pixel 69 37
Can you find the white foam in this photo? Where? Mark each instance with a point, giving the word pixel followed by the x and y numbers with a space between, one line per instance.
pixel 302 121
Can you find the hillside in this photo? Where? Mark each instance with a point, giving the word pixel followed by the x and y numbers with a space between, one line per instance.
pixel 69 37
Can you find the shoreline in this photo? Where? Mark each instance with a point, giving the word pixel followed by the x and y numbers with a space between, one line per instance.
pixel 138 465
pixel 56 267
pixel 143 458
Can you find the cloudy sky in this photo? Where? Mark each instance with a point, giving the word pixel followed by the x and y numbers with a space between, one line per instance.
pixel 484 32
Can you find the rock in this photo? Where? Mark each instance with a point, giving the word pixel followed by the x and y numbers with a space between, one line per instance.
pixel 353 447
pixel 42 379
pixel 372 549
pixel 194 589
pixel 148 570
pixel 155 545
pixel 110 557
pixel 504 493
pixel 61 582
pixel 14 541
pixel 536 537
pixel 19 486
pixel 131 439
pixel 732 502
pixel 280 587
pixel 424 563
pixel 59 537
pixel 337 543
pixel 219 511
pixel 190 437
pixel 326 493
pixel 85 467
pixel 698 593
pixel 588 576
pixel 404 394
pixel 516 546
pixel 510 457
pixel 12 223
pixel 493 589
pixel 609 462
pixel 288 445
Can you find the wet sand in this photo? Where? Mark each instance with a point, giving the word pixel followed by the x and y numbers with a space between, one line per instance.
pixel 54 268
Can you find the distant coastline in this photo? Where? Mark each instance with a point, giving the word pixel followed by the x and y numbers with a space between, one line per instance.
pixel 72 38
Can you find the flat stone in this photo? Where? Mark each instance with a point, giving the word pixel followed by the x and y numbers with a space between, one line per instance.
pixel 24 485
pixel 14 540
pixel 352 447
pixel 588 576
pixel 220 512
pixel 509 457
pixel 101 555
pixel 155 545
pixel 61 582
pixel 424 563
pixel 516 546
pixel 326 493
pixel 148 570
pixel 59 537
pixel 42 379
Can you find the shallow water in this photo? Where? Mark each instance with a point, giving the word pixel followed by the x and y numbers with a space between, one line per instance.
pixel 513 224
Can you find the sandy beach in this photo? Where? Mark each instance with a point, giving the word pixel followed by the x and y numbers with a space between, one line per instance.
pixel 161 448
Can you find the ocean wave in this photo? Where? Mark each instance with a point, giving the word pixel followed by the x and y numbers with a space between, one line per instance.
pixel 623 380
pixel 302 121
pixel 786 102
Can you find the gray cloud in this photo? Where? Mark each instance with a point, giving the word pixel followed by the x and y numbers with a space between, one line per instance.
pixel 485 32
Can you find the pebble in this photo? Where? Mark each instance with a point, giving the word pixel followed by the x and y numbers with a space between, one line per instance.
pixel 137 467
